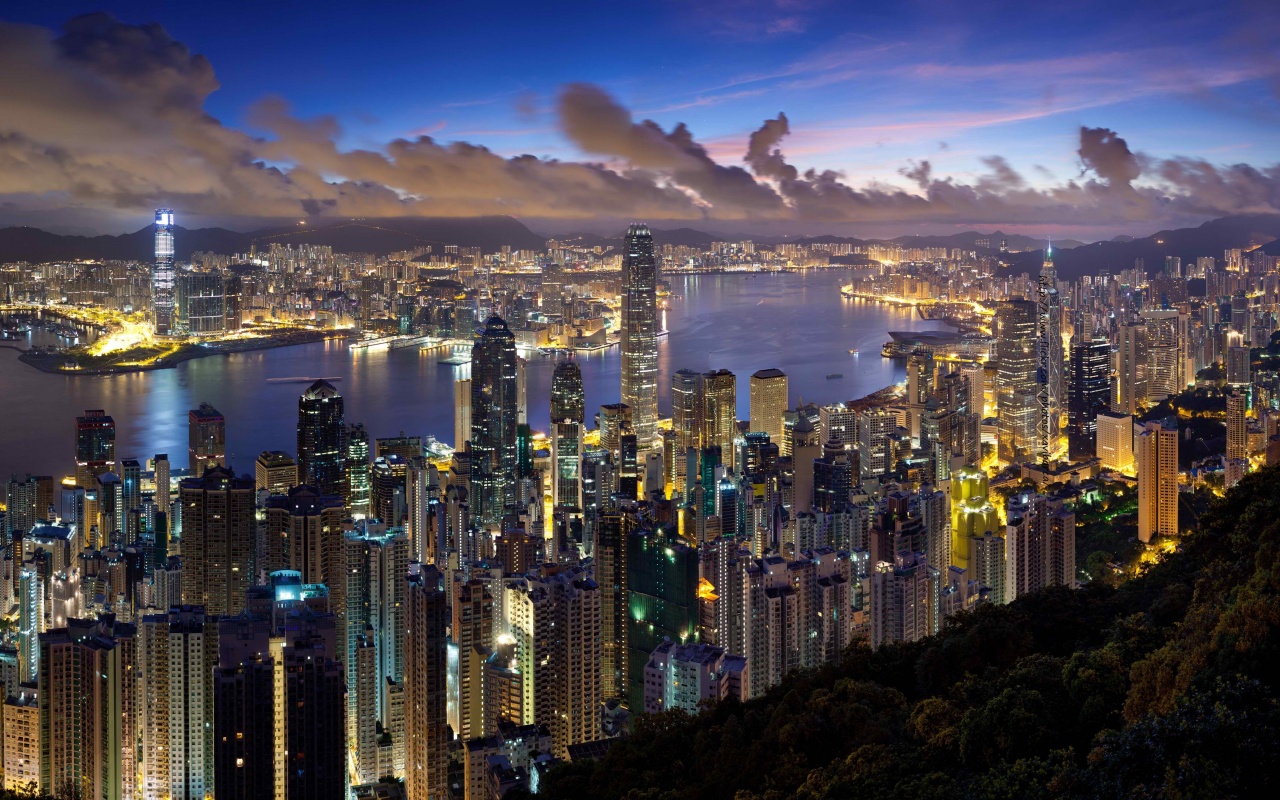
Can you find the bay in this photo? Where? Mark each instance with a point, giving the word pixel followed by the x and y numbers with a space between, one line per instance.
pixel 797 322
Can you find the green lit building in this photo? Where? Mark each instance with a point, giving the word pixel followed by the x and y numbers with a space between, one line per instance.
pixel 662 583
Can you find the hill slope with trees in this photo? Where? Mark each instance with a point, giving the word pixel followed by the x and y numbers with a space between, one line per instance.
pixel 1163 687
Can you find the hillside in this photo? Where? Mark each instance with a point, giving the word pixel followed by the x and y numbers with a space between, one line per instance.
pixel 1163 687
pixel 351 236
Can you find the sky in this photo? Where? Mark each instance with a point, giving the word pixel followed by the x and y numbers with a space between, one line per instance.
pixel 1087 119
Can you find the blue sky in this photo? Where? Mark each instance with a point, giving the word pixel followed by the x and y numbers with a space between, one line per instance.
pixel 869 89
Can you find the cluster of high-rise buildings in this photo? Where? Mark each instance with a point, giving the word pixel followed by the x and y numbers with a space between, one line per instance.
pixel 368 617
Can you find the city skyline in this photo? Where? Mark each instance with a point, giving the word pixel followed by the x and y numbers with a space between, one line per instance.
pixel 1029 131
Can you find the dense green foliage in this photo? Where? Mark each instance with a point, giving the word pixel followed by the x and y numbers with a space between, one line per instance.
pixel 1165 686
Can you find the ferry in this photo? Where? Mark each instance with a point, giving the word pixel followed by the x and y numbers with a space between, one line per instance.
pixel 853 352
pixel 835 376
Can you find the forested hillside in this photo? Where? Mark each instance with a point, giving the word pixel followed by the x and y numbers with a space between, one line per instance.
pixel 1163 687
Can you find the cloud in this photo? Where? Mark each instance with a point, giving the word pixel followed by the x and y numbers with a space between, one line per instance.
pixel 110 118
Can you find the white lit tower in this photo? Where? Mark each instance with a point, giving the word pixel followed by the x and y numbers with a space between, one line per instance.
pixel 1049 358
pixel 162 274
pixel 639 330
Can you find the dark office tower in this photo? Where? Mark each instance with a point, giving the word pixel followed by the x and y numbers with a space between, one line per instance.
pixel 388 477
pixel 358 491
pixel 662 600
pixel 1016 402
pixel 1049 377
pixel 131 498
pixel 162 274
pixel 640 333
pixel 322 453
pixel 244 738
pixel 95 447
pixel 1089 392
pixel 426 626
pixel 206 439
pixel 218 534
pixel 315 723
pixel 493 422
pixel 611 574
pixel 568 412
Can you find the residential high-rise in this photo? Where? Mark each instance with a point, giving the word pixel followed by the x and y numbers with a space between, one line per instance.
pixel 639 331
pixel 163 273
pixel 1237 427
pixel 95 447
pixel 1089 394
pixel 610 553
pixel 1016 370
pixel 472 634
pixel 206 439
pixel 21 726
pixel 275 472
pixel 1040 545
pixel 690 676
pixel 493 422
pixel 875 447
pixel 769 402
pixel 322 453
pixel 1049 361
pixel 1131 369
pixel 554 616
pixel 177 652
pixel 1156 461
pixel 568 413
pixel 164 491
pixel 426 634
pixel 315 701
pixel 906 598
pixel 218 536
pixel 461 412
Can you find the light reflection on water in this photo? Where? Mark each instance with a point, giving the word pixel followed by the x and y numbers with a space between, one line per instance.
pixel 797 322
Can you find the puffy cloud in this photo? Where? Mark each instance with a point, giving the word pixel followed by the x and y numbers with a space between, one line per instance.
pixel 109 116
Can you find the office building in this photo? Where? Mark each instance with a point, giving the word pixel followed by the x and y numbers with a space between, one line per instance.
pixel 163 274
pixel 1131 370
pixel 1088 394
pixel 1017 398
pixel 1049 361
pixel 275 472
pixel 358 489
pixel 206 439
pixel 769 402
pixel 493 423
pixel 662 598
pixel 95 447
pixel 639 331
pixel 322 453
pixel 568 414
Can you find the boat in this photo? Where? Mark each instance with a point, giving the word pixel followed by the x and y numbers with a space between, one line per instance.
pixel 853 352
pixel 835 376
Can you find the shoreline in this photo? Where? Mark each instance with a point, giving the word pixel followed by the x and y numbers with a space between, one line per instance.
pixel 53 363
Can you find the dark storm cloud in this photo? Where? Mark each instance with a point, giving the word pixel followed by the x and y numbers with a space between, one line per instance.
pixel 111 116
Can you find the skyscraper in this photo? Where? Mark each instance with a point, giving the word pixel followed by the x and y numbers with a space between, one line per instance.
pixel 95 447
pixel 568 412
pixel 275 472
pixel 720 412
pixel 176 656
pixel 1156 461
pixel 493 422
pixel 662 597
pixel 206 439
pixel 162 274
pixel 1049 380
pixel 1088 394
pixel 426 626
pixel 321 438
pixel 769 401
pixel 1131 369
pixel 1016 401
pixel 358 492
pixel 639 329
pixel 218 533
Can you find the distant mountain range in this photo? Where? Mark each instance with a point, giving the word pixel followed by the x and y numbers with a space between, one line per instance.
pixel 383 236
pixel 379 236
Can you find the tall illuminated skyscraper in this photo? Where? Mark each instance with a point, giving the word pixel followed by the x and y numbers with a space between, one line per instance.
pixel 768 403
pixel 427 624
pixel 1049 382
pixel 1016 401
pixel 568 412
pixel 1156 460
pixel 640 334
pixel 322 457
pixel 162 274
pixel 493 422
